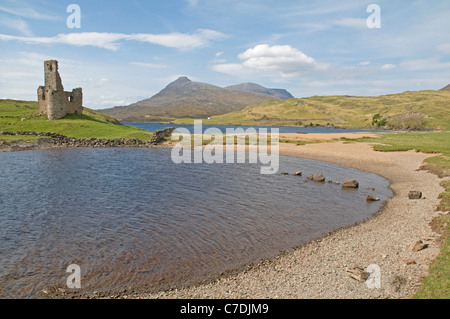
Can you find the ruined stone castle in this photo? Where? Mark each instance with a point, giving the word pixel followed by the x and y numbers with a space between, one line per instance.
pixel 52 99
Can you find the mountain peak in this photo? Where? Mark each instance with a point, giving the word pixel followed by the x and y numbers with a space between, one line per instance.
pixel 180 81
pixel 447 88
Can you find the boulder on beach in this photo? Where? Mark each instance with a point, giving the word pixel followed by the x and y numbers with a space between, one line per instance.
pixel 299 173
pixel 415 195
pixel 357 273
pixel 419 245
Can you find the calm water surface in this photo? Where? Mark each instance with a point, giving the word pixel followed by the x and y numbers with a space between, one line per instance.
pixel 152 126
pixel 132 218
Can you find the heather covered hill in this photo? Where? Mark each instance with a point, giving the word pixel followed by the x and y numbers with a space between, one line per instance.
pixel 407 110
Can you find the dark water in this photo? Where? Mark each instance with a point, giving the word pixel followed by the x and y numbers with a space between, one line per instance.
pixel 282 129
pixel 132 218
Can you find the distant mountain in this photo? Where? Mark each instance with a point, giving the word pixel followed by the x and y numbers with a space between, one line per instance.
pixel 447 88
pixel 184 98
pixel 256 88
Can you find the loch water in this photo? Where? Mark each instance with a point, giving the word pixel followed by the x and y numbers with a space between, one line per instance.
pixel 131 218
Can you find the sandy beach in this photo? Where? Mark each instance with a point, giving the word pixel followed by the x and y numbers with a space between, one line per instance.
pixel 319 269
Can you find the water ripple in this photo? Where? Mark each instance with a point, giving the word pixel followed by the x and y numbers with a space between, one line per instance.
pixel 132 218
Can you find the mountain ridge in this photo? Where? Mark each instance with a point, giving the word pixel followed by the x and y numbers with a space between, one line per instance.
pixel 185 98
pixel 256 88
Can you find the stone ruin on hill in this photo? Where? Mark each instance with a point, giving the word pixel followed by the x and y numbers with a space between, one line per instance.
pixel 52 99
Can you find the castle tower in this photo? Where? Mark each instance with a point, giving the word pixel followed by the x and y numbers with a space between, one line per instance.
pixel 52 78
pixel 52 99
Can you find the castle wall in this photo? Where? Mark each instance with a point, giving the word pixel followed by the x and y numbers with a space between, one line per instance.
pixel 42 100
pixel 75 101
pixel 57 105
pixel 53 100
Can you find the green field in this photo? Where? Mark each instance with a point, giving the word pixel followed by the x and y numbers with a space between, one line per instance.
pixel 408 110
pixel 23 116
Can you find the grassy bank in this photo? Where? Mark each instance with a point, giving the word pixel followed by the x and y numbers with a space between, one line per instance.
pixel 437 284
pixel 23 116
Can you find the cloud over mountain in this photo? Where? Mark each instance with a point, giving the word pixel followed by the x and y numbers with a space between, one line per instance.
pixel 281 60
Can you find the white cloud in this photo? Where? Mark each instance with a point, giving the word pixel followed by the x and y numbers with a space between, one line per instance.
pixel 110 41
pixel 102 81
pixel 192 3
pixel 149 65
pixel 430 64
pixel 180 41
pixel 27 12
pixel 444 48
pixel 16 24
pixel 358 23
pixel 388 67
pixel 277 60
pixel 364 63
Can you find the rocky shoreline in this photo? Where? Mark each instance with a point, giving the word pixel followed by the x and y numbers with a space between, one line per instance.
pixel 53 140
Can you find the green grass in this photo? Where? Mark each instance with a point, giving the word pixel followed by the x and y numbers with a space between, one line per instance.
pixel 437 283
pixel 25 138
pixel 92 124
pixel 428 142
pixel 429 109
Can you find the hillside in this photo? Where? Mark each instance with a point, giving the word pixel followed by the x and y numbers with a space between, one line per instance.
pixel 447 88
pixel 24 116
pixel 408 110
pixel 186 98
pixel 256 88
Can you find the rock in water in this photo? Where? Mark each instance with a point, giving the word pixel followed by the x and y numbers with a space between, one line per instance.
pixel 299 173
pixel 350 183
pixel 316 177
pixel 371 198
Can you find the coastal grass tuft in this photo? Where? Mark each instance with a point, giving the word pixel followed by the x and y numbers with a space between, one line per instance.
pixel 437 283
pixel 24 116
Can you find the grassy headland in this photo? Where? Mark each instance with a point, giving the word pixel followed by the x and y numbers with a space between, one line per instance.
pixel 24 116
pixel 408 110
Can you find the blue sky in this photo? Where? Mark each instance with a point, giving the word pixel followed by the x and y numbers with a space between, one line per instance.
pixel 127 51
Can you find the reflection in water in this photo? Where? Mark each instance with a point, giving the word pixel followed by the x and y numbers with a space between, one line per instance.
pixel 132 218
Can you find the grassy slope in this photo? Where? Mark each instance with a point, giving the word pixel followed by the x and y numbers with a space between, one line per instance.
pixel 437 283
pixel 343 111
pixel 92 124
